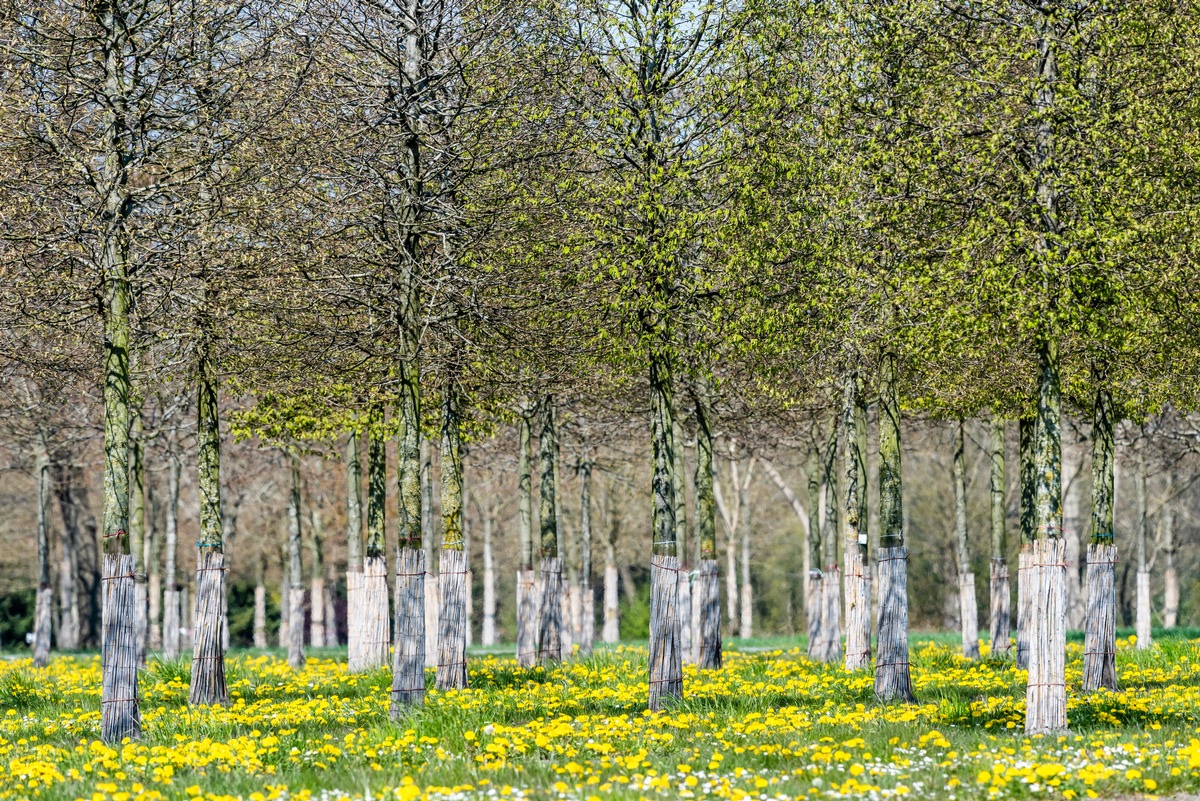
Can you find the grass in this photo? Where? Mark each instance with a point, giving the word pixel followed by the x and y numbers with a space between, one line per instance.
pixel 769 724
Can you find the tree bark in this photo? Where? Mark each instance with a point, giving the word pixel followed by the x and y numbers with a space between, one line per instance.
pixel 487 635
pixel 549 641
pixel 171 605
pixel 68 569
pixel 1046 697
pixel 408 670
pixel 684 575
pixel 708 594
pixel 354 554
pixel 119 713
pixel 1028 427
pixel 432 605
pixel 746 602
pixel 316 592
pixel 1170 576
pixel 45 592
pixel 1142 627
pixel 892 678
pixel 260 604
pixel 999 586
pixel 666 658
pixel 332 640
pixel 968 608
pixel 452 617
pixel 372 625
pixel 79 568
pixel 857 584
pixel 469 579
pixel 587 631
pixel 829 639
pixel 295 573
pixel 154 636
pixel 1100 637
pixel 814 576
pixel 527 598
pixel 208 652
pixel 1073 530
pixel 137 530
pixel 285 599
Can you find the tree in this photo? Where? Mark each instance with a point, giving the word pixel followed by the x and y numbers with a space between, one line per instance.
pixel 968 608
pixel 549 637
pixel 999 592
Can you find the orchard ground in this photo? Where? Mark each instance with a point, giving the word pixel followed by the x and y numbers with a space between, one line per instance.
pixel 770 724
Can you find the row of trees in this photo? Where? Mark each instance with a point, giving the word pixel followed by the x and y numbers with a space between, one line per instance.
pixel 410 219
pixel 760 516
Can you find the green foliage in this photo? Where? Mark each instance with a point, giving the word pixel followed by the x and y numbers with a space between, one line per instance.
pixel 635 614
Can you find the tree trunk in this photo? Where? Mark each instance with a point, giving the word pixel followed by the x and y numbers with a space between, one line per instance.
pixel 1028 428
pixel 316 593
pixel 892 678
pixel 452 617
pixel 730 517
pixel 208 652
pixel 285 600
pixel 355 615
pixel 408 672
pixel 375 629
pixel 1073 530
pixel 408 669
pixel 372 625
pixel 858 586
pixel 487 635
pixel 746 621
pixel 1099 649
pixel 171 606
pixel 684 591
pixel 1142 627
pixel 187 619
pixel 331 624
pixel 549 641
pixel 469 578
pixel 137 530
pixel 432 604
pixel 708 588
pixel 527 599
pixel 998 586
pixel 612 601
pixel 45 592
pixel 260 605
pixel 587 629
pixel 1143 610
pixel 1170 576
pixel 814 577
pixel 1046 695
pixel 295 574
pixel 528 603
pixel 79 580
pixel 968 607
pixel 666 658
pixel 119 714
pixel 228 527
pixel 829 640
pixel 154 634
